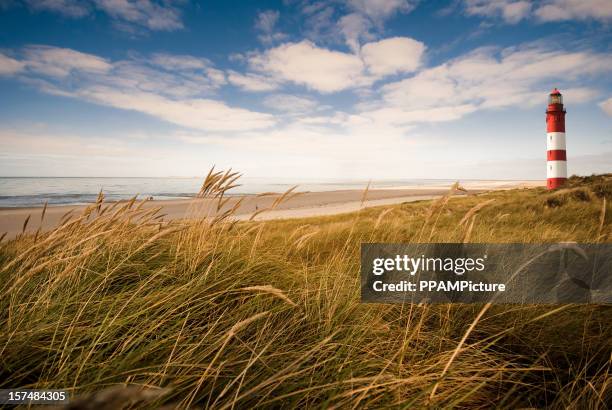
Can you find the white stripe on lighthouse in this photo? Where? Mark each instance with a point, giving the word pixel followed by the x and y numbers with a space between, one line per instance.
pixel 555 140
pixel 556 169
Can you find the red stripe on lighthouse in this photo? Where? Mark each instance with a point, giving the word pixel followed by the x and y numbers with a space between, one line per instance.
pixel 555 118
pixel 554 183
pixel 556 155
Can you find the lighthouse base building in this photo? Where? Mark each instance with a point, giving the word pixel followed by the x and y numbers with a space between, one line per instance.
pixel 556 157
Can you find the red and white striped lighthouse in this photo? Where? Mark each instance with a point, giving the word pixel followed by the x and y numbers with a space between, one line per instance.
pixel 556 159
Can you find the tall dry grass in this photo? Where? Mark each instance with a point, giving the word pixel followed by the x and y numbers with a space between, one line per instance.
pixel 123 309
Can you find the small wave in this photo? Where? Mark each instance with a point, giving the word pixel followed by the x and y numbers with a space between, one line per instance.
pixel 79 199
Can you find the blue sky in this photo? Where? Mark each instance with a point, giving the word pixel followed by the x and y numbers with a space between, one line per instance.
pixel 301 89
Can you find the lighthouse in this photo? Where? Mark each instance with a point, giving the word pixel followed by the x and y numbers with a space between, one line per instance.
pixel 556 159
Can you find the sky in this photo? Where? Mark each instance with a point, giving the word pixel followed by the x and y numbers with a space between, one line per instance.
pixel 337 89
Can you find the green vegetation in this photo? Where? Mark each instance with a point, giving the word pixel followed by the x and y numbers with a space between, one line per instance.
pixel 225 314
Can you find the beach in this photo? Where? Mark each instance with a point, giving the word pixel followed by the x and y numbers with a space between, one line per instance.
pixel 297 205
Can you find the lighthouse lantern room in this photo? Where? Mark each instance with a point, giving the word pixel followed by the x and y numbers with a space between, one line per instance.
pixel 556 159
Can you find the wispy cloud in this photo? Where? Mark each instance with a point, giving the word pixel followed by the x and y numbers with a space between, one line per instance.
pixel 355 28
pixel 252 82
pixel 606 106
pixel 382 9
pixel 197 113
pixel 61 62
pixel 491 78
pixel 290 103
pixel 9 66
pixel 558 10
pixel 174 88
pixel 352 21
pixel 513 11
pixel 126 14
pixel 67 8
pixel 368 17
pixel 266 23
pixel 163 16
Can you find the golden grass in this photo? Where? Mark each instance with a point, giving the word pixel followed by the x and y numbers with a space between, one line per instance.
pixel 214 313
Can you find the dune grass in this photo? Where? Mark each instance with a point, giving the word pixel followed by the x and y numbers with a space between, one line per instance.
pixel 221 314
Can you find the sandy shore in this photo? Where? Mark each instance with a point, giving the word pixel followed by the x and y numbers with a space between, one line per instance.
pixel 303 204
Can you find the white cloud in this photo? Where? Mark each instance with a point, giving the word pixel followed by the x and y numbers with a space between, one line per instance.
pixel 9 66
pixel 337 119
pixel 579 95
pixel 354 27
pixel 138 75
pixel 266 25
pixel 68 8
pixel 174 88
pixel 203 114
pixel 392 55
pixel 150 14
pixel 512 11
pixel 170 75
pixel 60 62
pixel 381 9
pixel 367 18
pixel 322 68
pixel 484 79
pixel 304 63
pixel 181 62
pixel 606 106
pixel 266 20
pixel 351 21
pixel 252 82
pixel 145 13
pixel 195 73
pixel 403 118
pixel 329 71
pixel 319 23
pixel 290 103
pixel 556 10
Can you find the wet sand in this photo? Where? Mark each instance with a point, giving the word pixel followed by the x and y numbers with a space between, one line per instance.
pixel 304 204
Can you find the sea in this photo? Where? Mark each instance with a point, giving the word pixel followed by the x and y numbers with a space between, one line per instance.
pixel 35 191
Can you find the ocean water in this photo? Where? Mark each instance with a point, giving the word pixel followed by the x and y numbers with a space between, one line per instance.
pixel 34 191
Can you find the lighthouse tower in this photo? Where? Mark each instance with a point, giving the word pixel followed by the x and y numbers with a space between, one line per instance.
pixel 556 161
